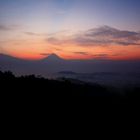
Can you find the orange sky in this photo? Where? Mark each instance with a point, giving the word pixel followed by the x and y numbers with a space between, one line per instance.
pixel 72 29
pixel 38 49
pixel 96 43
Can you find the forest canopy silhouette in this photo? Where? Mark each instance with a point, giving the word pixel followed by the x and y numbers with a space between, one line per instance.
pixel 39 87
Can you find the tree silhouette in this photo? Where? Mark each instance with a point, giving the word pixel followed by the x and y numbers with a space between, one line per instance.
pixel 38 87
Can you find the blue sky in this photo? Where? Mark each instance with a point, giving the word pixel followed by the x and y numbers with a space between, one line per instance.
pixel 88 13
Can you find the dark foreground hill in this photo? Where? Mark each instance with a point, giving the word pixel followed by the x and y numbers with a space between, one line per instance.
pixel 38 88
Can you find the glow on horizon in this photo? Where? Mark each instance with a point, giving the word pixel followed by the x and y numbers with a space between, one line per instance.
pixel 29 29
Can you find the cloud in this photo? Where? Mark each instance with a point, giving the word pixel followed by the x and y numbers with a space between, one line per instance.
pixel 55 41
pixel 101 56
pixel 109 35
pixel 34 34
pixel 30 33
pixel 82 53
pixel 101 36
pixel 4 28
pixel 8 27
pixel 45 54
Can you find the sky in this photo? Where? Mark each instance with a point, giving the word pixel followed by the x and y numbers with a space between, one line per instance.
pixel 72 29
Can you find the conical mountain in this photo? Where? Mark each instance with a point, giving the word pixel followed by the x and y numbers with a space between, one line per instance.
pixel 53 57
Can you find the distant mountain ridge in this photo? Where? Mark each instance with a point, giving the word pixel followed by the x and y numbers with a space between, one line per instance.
pixel 55 64
pixel 7 57
pixel 49 57
pixel 52 57
pixel 67 72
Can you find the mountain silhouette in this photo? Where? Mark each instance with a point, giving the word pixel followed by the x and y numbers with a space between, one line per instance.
pixel 55 64
pixel 4 57
pixel 53 57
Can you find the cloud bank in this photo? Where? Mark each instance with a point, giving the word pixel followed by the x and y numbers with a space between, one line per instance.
pixel 101 36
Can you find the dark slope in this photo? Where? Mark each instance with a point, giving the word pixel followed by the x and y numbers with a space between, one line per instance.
pixel 54 63
pixel 40 89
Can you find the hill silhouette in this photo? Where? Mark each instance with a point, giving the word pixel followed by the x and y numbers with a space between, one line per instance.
pixel 37 87
pixel 52 57
pixel 54 64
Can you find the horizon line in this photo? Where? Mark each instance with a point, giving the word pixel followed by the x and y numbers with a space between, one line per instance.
pixel 71 59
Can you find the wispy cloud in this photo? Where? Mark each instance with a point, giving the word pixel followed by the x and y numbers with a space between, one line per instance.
pixel 4 28
pixel 109 35
pixel 34 34
pixel 101 56
pixel 101 36
pixel 45 54
pixel 8 27
pixel 81 53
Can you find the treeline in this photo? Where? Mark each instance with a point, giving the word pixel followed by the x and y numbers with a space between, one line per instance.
pixel 38 87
